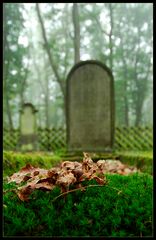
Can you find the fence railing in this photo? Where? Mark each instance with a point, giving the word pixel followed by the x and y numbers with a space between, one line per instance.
pixel 126 138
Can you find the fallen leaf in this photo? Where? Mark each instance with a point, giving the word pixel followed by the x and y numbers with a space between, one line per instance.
pixel 66 175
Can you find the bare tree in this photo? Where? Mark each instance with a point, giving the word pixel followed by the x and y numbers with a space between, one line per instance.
pixel 76 32
pixel 110 35
pixel 125 83
pixel 6 71
pixel 50 56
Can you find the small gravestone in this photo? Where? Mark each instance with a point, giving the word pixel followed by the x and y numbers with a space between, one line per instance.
pixel 28 139
pixel 90 107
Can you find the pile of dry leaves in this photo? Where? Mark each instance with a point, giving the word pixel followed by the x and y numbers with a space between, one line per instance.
pixel 67 174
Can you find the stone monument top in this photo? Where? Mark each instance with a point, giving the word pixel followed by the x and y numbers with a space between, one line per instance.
pixel 90 107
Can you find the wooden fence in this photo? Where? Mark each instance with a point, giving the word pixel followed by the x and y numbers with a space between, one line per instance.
pixel 126 138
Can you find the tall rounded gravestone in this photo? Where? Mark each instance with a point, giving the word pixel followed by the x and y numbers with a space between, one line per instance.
pixel 28 128
pixel 90 107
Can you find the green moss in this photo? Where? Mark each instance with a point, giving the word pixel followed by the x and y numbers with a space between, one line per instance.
pixel 121 208
pixel 142 160
pixel 13 161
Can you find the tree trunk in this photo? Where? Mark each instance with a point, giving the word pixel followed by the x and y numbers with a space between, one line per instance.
pixel 138 116
pixel 110 36
pixel 126 103
pixel 9 112
pixel 51 60
pixel 126 108
pixel 76 24
pixel 23 85
pixel 140 99
pixel 47 111
pixel 141 86
pixel 47 100
pixel 6 95
pixel 125 94
pixel 5 76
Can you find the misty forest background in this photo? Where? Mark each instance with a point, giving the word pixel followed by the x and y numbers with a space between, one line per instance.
pixel 43 41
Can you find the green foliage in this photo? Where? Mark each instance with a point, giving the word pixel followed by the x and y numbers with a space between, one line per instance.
pixel 123 207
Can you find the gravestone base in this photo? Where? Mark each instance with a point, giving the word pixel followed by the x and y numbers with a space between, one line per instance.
pixel 28 142
pixel 95 156
pixel 28 129
pixel 79 151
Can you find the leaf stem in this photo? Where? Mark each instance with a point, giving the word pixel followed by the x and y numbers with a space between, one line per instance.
pixel 74 190
pixel 82 188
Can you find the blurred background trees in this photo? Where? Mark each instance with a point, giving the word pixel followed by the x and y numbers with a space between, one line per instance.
pixel 41 42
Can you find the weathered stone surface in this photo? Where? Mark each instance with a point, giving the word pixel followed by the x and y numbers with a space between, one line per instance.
pixel 90 107
pixel 28 127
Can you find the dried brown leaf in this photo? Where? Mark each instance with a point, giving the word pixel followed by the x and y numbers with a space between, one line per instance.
pixel 69 173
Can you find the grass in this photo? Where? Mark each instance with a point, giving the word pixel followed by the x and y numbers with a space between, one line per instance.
pixel 13 161
pixel 141 159
pixel 121 208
